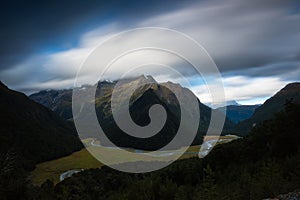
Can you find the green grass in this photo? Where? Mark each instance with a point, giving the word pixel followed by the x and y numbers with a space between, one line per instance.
pixel 52 169
pixel 84 160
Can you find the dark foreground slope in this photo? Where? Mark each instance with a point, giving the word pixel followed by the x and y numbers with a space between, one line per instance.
pixel 32 131
pixel 264 164
pixel 276 103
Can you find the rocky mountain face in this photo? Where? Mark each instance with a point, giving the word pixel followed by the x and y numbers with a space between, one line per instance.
pixel 32 130
pixel 275 104
pixel 238 113
pixel 57 100
pixel 140 102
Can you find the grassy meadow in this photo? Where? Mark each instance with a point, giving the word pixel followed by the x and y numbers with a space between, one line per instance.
pixel 84 160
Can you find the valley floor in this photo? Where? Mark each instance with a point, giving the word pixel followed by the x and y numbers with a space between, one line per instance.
pixel 54 170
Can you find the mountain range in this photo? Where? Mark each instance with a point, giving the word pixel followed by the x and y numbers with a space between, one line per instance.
pixel 28 121
pixel 143 98
pixel 267 158
pixel 245 116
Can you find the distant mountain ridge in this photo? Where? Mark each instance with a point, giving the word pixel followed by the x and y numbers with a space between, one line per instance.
pixel 232 103
pixel 34 131
pixel 226 103
pixel 238 113
pixel 275 104
pixel 142 99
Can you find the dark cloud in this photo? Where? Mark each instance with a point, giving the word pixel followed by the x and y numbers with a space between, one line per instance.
pixel 254 39
pixel 29 27
pixel 283 70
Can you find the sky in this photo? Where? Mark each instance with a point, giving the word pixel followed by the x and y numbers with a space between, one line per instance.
pixel 255 44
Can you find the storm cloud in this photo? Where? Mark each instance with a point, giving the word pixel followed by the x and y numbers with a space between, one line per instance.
pixel 43 45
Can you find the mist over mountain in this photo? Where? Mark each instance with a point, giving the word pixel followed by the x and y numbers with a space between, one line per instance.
pixel 232 103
